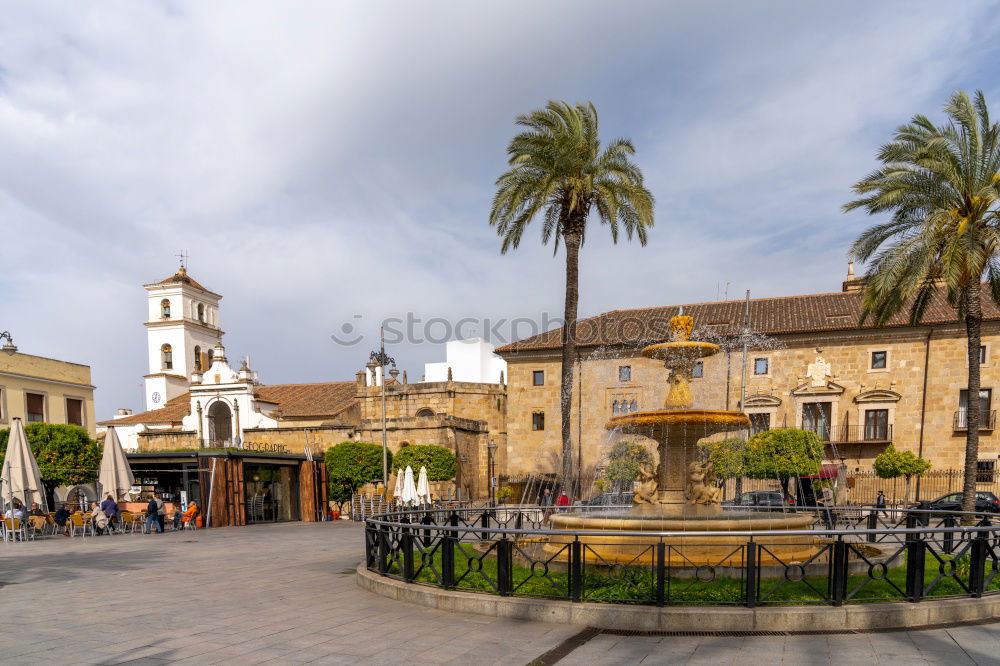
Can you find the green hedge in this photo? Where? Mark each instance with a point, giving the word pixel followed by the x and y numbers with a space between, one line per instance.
pixel 66 454
pixel 350 465
pixel 439 461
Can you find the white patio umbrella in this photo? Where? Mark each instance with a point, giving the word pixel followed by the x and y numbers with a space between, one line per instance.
pixel 20 477
pixel 409 488
pixel 116 476
pixel 423 487
pixel 398 492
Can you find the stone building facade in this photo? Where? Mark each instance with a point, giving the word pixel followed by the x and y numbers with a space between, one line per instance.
pixel 38 389
pixel 860 387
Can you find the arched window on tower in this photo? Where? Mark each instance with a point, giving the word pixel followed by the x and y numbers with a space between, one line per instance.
pixel 197 359
pixel 211 355
pixel 201 313
pixel 165 308
pixel 167 354
pixel 425 411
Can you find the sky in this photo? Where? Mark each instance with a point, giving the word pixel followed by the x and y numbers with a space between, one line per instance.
pixel 330 165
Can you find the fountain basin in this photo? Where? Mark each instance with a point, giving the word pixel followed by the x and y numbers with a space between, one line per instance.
pixel 695 550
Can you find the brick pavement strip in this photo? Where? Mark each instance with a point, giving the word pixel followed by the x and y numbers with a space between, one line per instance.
pixel 276 594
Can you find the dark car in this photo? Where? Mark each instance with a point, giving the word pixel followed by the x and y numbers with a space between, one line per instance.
pixel 986 502
pixel 761 499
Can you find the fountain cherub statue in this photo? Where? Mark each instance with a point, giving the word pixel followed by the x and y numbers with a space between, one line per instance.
pixel 644 489
pixel 701 488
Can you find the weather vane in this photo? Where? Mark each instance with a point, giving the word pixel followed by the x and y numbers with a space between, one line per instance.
pixel 183 256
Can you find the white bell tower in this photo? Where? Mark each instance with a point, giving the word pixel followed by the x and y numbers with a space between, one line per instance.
pixel 182 330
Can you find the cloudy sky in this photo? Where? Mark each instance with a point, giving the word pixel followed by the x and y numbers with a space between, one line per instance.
pixel 328 164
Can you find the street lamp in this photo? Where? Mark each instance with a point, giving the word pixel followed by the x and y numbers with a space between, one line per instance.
pixel 9 346
pixel 491 449
pixel 379 359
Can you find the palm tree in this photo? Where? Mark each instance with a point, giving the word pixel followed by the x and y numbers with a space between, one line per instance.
pixel 559 170
pixel 941 184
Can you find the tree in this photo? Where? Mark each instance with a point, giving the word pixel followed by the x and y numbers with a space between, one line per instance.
pixel 558 170
pixel 350 465
pixel 66 455
pixel 892 464
pixel 439 461
pixel 727 457
pixel 941 185
pixel 783 454
pixel 624 461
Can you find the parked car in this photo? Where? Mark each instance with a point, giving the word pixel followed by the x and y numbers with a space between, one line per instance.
pixel 609 499
pixel 986 502
pixel 761 499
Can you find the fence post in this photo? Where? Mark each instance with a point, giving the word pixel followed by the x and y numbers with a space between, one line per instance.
pixel 873 525
pixel 948 540
pixel 661 574
pixel 576 570
pixel 484 520
pixel 406 542
pixel 977 560
pixel 383 550
pixel 518 520
pixel 915 555
pixel 750 593
pixel 838 572
pixel 505 567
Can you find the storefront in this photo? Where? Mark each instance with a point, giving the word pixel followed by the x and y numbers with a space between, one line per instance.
pixel 235 487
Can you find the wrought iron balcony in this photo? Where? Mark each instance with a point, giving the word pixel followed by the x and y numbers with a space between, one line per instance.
pixel 853 434
pixel 986 420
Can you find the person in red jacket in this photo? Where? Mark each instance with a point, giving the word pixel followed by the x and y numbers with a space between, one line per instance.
pixel 563 501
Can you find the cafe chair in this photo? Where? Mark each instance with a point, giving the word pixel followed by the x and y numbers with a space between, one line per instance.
pixel 81 524
pixel 14 530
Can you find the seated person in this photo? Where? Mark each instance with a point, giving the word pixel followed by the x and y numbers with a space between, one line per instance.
pixel 110 508
pixel 37 517
pixel 16 510
pixel 100 520
pixel 37 511
pixel 176 518
pixel 62 517
pixel 192 513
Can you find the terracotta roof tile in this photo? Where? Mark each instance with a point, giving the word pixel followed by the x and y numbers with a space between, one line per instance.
pixel 786 314
pixel 181 276
pixel 326 399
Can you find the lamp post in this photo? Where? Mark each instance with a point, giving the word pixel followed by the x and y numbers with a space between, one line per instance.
pixel 9 346
pixel 490 469
pixel 379 359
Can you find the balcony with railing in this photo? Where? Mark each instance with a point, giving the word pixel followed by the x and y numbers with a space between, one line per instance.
pixel 853 434
pixel 987 419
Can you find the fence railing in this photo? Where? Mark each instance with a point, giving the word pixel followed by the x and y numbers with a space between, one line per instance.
pixel 987 420
pixel 868 556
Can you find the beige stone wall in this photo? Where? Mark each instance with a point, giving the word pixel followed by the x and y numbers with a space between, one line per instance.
pixel 851 380
pixel 55 380
pixel 319 438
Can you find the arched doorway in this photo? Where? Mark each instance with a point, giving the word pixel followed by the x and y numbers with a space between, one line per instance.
pixel 220 423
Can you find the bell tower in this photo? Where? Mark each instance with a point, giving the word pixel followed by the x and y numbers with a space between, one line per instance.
pixel 182 329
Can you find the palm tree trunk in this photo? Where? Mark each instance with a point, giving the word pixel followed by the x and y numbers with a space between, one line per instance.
pixel 973 325
pixel 572 241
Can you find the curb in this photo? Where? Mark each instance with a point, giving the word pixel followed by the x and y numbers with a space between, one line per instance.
pixel 621 617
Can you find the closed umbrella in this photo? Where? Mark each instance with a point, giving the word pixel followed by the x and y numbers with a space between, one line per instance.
pixel 423 487
pixel 116 476
pixel 20 476
pixel 409 488
pixel 398 492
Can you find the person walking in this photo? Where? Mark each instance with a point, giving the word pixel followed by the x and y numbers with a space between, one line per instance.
pixel 545 501
pixel 152 514
pixel 161 514
pixel 880 503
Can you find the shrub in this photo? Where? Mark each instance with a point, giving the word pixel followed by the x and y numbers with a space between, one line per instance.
pixel 727 457
pixel 350 465
pixel 624 461
pixel 439 461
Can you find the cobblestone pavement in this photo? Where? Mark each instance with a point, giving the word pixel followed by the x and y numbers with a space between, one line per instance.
pixel 286 594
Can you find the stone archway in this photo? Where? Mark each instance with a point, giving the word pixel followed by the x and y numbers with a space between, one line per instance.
pixel 220 423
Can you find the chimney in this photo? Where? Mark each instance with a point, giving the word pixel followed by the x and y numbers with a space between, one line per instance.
pixel 852 283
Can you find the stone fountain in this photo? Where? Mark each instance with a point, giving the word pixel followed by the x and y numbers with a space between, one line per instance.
pixel 680 495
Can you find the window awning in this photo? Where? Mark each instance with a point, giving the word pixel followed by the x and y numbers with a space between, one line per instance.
pixel 826 471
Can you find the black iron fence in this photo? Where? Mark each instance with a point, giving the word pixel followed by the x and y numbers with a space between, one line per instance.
pixel 866 556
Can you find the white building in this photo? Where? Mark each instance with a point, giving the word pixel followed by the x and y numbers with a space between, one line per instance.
pixel 182 330
pixel 469 361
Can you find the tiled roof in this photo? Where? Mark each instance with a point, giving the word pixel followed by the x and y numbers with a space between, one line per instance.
pixel 173 411
pixel 310 400
pixel 771 316
pixel 182 277
pixel 326 399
